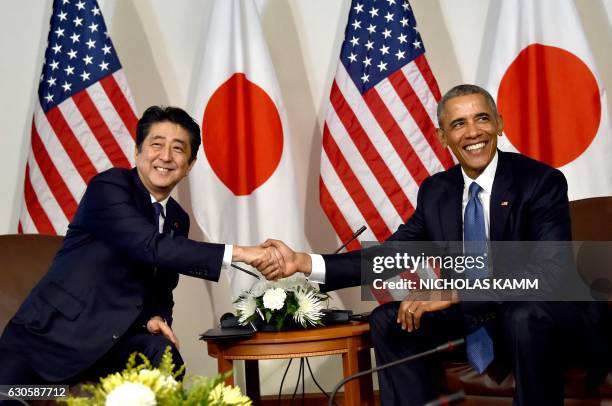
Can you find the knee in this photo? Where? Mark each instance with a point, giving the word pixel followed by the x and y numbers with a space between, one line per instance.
pixel 521 320
pixel 383 318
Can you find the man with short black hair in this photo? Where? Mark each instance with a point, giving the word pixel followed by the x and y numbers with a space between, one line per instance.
pixel 490 196
pixel 108 291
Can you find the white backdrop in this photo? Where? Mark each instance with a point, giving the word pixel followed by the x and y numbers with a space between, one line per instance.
pixel 158 43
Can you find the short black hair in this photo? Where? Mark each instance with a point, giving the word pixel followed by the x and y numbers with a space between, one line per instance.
pixel 464 90
pixel 160 114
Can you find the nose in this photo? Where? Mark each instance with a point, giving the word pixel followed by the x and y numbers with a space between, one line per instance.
pixel 165 154
pixel 472 129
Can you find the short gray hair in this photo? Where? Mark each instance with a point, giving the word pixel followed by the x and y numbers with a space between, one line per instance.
pixel 464 90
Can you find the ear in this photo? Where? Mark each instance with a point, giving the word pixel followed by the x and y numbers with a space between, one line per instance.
pixel 190 166
pixel 500 125
pixel 135 152
pixel 441 137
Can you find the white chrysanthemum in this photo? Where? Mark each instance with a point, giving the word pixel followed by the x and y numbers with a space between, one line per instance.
pixel 274 299
pixel 259 288
pixel 294 282
pixel 131 393
pixel 245 307
pixel 309 307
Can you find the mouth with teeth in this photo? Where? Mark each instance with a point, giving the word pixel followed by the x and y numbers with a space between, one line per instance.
pixel 475 148
pixel 161 169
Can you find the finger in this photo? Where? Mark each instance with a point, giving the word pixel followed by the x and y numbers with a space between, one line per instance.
pixel 168 333
pixel 272 276
pixel 281 260
pixel 403 314
pixel 263 260
pixel 153 326
pixel 276 255
pixel 271 243
pixel 412 309
pixel 416 317
pixel 271 260
pixel 269 271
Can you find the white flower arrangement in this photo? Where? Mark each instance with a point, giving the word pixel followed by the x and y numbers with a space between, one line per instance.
pixel 140 384
pixel 273 302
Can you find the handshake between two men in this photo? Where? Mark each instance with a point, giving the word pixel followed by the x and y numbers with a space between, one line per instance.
pixel 273 259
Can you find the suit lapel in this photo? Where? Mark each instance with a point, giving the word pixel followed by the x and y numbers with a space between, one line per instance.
pixel 143 198
pixel 502 198
pixel 173 224
pixel 170 222
pixel 450 206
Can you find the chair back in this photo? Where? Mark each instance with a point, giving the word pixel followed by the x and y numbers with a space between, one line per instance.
pixel 25 259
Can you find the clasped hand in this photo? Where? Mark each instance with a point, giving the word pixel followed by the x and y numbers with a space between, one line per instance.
pixel 274 259
pixel 267 260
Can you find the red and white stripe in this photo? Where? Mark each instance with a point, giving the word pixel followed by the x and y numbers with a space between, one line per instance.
pixel 377 150
pixel 86 134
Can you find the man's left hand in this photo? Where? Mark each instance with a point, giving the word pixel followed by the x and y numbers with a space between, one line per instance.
pixel 412 309
pixel 157 325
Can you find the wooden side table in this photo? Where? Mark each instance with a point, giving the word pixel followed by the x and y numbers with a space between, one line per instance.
pixel 351 340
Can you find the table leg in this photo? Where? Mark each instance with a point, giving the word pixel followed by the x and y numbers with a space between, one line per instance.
pixel 251 372
pixel 350 366
pixel 365 382
pixel 225 365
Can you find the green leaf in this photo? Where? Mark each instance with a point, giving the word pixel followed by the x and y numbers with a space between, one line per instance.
pixel 279 323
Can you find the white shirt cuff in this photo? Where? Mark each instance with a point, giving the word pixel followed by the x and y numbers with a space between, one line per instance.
pixel 317 273
pixel 227 257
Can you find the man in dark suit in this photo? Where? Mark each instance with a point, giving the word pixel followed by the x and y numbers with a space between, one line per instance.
pixel 491 195
pixel 108 291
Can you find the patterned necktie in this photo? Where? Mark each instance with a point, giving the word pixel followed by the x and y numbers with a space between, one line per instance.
pixel 478 342
pixel 159 212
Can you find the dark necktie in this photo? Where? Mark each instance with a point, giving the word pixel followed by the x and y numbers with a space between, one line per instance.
pixel 478 342
pixel 159 212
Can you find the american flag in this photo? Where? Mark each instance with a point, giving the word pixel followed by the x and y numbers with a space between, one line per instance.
pixel 84 117
pixel 379 138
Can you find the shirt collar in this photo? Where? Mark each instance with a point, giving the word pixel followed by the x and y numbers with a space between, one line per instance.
pixel 162 202
pixel 485 179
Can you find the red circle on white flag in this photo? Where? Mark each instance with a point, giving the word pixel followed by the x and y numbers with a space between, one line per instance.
pixel 242 135
pixel 550 103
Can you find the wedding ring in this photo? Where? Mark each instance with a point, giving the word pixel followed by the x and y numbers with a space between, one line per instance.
pixel 410 311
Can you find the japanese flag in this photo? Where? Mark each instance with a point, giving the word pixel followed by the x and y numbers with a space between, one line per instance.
pixel 243 183
pixel 539 67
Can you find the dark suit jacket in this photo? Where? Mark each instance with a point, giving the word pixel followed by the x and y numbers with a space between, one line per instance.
pixel 114 269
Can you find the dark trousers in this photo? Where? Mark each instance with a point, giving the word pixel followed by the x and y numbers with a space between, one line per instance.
pixel 15 369
pixel 535 338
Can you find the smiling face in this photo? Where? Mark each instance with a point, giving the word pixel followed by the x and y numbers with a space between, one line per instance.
pixel 469 127
pixel 163 158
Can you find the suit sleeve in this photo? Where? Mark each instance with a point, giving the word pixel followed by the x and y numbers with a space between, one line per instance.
pixel 414 229
pixel 344 270
pixel 549 224
pixel 109 213
pixel 549 211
